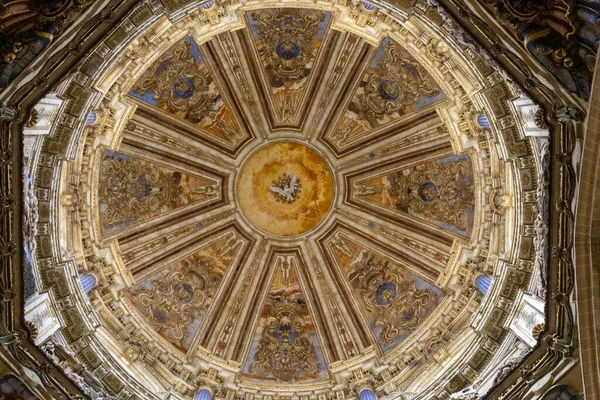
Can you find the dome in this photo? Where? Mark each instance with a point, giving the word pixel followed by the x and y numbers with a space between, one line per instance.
pixel 299 200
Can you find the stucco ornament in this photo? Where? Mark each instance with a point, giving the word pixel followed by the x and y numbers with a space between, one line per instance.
pixel 285 349
pixel 286 188
pixel 30 220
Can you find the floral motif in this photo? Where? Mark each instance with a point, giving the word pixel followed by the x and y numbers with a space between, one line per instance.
pixel 285 348
pixel 395 303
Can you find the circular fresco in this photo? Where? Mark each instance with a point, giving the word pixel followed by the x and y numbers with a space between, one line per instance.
pixel 285 189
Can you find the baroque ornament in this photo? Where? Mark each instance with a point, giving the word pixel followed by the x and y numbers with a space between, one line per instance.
pixel 287 34
pixel 442 192
pixel 285 349
pixel 129 190
pixel 396 303
pixel 292 338
pixel 557 34
pixel 397 81
pixel 180 81
pixel 175 300
pixel 30 219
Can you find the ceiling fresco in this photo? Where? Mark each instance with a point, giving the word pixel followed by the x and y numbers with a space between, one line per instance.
pixel 393 86
pixel 439 191
pixel 285 346
pixel 292 201
pixel 288 42
pixel 288 189
pixel 176 300
pixel 393 300
pixel 132 190
pixel 181 84
pixel 285 191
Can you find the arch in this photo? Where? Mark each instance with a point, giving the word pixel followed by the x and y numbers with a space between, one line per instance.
pixel 88 282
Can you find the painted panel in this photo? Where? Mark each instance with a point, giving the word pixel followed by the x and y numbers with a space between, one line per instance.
pixel 180 83
pixel 394 301
pixel 175 302
pixel 440 192
pixel 394 86
pixel 285 347
pixel 288 41
pixel 132 190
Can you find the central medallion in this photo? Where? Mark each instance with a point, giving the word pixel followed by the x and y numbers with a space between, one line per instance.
pixel 285 189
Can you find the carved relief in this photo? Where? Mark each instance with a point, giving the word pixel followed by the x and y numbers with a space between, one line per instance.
pixel 27 28
pixel 285 39
pixel 560 35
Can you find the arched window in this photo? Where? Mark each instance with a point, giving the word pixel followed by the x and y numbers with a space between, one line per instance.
pixel 208 5
pixel 368 6
pixel 367 394
pixel 203 394
pixel 483 283
pixel 88 282
pixel 482 121
pixel 91 118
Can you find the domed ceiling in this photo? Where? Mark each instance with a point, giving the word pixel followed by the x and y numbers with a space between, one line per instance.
pixel 295 200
